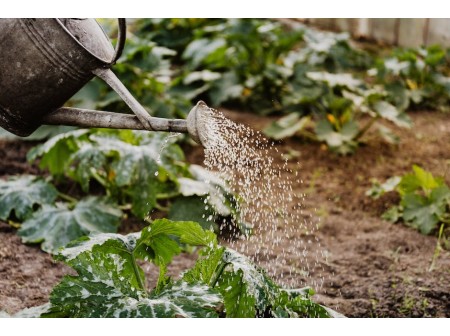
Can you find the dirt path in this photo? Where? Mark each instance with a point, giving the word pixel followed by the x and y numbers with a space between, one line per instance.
pixel 372 268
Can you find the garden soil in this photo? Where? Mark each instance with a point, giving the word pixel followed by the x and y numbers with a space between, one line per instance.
pixel 371 268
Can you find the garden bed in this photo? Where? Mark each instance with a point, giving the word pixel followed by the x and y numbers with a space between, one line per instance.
pixel 373 268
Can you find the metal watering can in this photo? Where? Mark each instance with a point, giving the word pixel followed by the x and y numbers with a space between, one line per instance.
pixel 44 62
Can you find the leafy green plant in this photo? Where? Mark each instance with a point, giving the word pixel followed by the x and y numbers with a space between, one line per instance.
pixel 51 217
pixel 415 77
pixel 425 200
pixel 110 283
pixel 336 111
pixel 143 169
pixel 129 170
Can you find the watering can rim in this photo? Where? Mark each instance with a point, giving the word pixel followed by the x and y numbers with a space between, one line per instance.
pixel 119 45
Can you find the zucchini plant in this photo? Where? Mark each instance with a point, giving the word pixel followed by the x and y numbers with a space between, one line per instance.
pixel 109 282
pixel 111 173
pixel 424 200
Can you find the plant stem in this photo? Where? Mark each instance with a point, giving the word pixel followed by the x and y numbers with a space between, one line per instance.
pixel 161 208
pixel 137 273
pixel 124 206
pixel 99 179
pixel 162 196
pixel 309 135
pixel 67 197
pixel 438 249
pixel 365 128
pixel 217 274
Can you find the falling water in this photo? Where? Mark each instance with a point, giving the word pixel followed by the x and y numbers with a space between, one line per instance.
pixel 282 241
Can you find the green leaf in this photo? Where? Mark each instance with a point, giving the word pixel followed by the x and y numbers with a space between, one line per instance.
pixel 229 87
pixel 157 245
pixel 109 283
pixel 207 268
pixel 378 189
pixel 224 269
pixel 138 164
pixel 425 213
pixel 246 289
pixel 333 80
pixel 419 179
pixel 55 153
pixel 21 194
pixel 106 286
pixel 287 126
pixel 238 298
pixel 87 159
pixel 193 209
pixel 257 285
pixel 390 112
pixel 55 226
pixel 216 197
pixel 199 50
pixel 388 135
pixel 289 304
pixel 342 141
pixel 393 214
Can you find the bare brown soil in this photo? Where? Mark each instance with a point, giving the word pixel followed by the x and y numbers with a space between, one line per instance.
pixel 372 268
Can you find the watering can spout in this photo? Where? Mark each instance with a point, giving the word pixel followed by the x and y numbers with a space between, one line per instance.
pixel 195 124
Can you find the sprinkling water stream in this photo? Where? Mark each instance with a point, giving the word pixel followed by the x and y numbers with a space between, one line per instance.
pixel 269 200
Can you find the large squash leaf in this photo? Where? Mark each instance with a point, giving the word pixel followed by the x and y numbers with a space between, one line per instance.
pixel 109 283
pixel 21 194
pixel 425 213
pixel 247 290
pixel 140 165
pixel 55 226
pixel 55 153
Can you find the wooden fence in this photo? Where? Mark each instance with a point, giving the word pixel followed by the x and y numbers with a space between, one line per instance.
pixel 401 32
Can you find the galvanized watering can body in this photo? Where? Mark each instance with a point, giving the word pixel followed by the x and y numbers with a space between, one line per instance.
pixel 44 62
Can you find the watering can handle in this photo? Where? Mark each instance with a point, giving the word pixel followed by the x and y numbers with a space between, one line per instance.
pixel 122 35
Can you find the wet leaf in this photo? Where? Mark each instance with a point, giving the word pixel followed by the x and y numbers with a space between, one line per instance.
pixel 109 283
pixel 193 209
pixel 156 242
pixel 20 195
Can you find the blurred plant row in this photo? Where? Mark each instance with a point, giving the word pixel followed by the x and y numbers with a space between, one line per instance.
pixel 322 86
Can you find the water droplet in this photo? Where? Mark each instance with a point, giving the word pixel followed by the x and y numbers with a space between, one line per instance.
pixel 267 186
